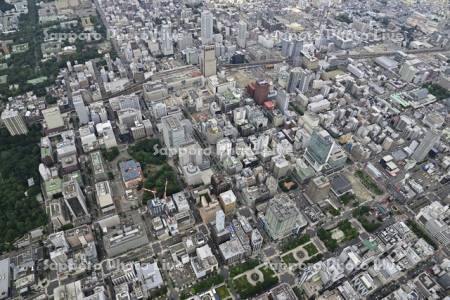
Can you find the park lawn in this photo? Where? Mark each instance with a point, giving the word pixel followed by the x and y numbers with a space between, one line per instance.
pixel 333 211
pixel 293 243
pixel 326 237
pixel 289 259
pixel 349 231
pixel 345 226
pixel 242 285
pixel 362 214
pixel 241 268
pixel 223 292
pixel 246 290
pixel 345 199
pixel 311 249
pixel 206 284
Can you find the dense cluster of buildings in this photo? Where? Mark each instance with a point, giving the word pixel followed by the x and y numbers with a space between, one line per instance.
pixel 298 136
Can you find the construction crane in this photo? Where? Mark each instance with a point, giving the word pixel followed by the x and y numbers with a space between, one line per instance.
pixel 151 191
pixel 165 190
pixel 154 192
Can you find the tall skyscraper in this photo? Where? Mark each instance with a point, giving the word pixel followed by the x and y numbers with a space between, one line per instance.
pixel 318 189
pixel 283 101
pixel 261 91
pixel 223 148
pixel 319 149
pixel 174 131
pixel 207 27
pixel 74 199
pixel 306 76
pixel 429 140
pixel 208 61
pixel 81 109
pixel 286 46
pixel 298 47
pixel 282 217
pixel 242 34
pixel 98 112
pixel 166 40
pixel 14 122
pixel 220 220
pixel 294 78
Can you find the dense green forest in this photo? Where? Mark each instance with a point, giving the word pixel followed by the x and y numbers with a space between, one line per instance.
pixel 19 209
pixel 439 92
pixel 28 65
pixel 155 167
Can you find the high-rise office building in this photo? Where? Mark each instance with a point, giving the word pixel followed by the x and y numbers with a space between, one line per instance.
pixel 190 154
pixel 319 149
pixel 282 101
pixel 220 220
pixel 75 199
pixel 166 40
pixel 429 140
pixel 132 101
pixel 128 118
pixel 174 131
pixel 294 78
pixel 298 47
pixel 286 46
pixel 14 122
pixel 261 91
pixel 306 76
pixel 242 34
pixel 81 109
pixel 98 112
pixel 207 27
pixel 318 189
pixel 282 217
pixel 208 61
pixel 224 148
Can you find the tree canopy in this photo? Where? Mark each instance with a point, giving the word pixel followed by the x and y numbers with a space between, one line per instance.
pixel 19 209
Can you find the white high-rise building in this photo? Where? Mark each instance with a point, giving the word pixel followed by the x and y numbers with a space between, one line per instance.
pixel 242 34
pixel 224 148
pixel 282 217
pixel 159 110
pixel 14 122
pixel 190 154
pixel 220 220
pixel 283 101
pixel 298 47
pixel 207 27
pixel 427 143
pixel 174 131
pixel 306 76
pixel 287 46
pixel 261 143
pixel 106 135
pixel 166 40
pixel 81 109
